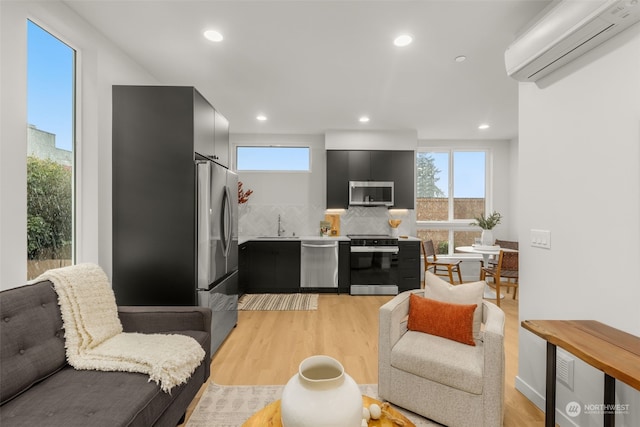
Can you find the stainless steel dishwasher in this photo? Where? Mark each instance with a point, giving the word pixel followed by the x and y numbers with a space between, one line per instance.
pixel 319 264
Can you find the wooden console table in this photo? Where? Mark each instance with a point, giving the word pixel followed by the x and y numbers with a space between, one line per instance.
pixel 610 350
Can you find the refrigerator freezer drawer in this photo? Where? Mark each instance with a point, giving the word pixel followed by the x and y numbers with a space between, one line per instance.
pixel 223 302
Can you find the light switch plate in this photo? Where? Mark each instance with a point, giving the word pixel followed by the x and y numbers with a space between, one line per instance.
pixel 541 239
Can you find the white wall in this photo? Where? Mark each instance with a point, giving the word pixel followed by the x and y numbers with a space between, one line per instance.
pixel 298 197
pixel 100 65
pixel 579 151
pixel 372 140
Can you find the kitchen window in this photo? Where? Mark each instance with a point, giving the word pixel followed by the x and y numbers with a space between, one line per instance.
pixel 451 190
pixel 50 151
pixel 273 158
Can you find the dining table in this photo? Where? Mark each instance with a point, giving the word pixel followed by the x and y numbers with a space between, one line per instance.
pixel 487 252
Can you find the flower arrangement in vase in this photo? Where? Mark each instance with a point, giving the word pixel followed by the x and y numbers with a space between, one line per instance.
pixel 487 223
pixel 243 196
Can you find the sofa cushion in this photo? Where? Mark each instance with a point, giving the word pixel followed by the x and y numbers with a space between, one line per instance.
pixel 31 337
pixel 441 360
pixel 467 293
pixel 446 320
pixel 89 398
pixel 96 398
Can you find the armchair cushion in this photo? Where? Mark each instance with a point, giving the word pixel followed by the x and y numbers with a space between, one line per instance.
pixel 467 293
pixel 440 360
pixel 446 320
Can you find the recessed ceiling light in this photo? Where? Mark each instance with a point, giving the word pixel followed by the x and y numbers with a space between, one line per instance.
pixel 484 126
pixel 461 58
pixel 213 35
pixel 403 40
pixel 261 117
pixel 363 119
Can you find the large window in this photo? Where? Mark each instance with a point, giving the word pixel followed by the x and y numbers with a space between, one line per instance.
pixel 451 191
pixel 269 158
pixel 50 151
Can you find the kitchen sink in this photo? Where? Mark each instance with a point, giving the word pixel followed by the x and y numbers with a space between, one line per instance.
pixel 279 237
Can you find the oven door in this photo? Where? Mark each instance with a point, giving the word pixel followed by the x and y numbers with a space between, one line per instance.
pixel 374 270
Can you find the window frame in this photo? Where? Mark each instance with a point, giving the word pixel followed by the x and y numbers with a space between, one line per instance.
pixel 455 225
pixel 76 182
pixel 301 146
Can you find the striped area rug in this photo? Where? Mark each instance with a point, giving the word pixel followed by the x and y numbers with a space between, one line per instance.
pixel 278 302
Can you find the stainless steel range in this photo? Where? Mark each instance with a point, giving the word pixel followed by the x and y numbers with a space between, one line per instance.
pixel 374 264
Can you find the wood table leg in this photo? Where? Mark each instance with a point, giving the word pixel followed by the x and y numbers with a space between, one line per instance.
pixel 609 401
pixel 550 403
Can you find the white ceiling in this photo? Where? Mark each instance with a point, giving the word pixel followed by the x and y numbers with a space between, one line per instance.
pixel 313 66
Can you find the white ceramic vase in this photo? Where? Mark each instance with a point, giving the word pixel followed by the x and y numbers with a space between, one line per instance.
pixel 487 238
pixel 321 394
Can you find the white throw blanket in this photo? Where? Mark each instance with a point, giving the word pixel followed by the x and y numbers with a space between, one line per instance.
pixel 94 337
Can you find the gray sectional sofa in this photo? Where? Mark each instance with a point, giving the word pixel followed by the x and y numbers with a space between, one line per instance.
pixel 39 388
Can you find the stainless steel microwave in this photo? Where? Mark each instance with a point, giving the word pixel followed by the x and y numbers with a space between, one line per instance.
pixel 371 193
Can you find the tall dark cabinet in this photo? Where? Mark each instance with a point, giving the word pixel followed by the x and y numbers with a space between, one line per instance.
pixel 156 133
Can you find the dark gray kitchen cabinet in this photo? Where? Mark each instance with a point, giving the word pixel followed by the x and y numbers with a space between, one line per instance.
pixel 337 179
pixel 363 165
pixel 203 126
pixel 274 267
pixel 211 131
pixel 402 166
pixel 359 166
pixel 408 265
pixel 344 267
pixel 221 140
pixel 244 267
pixel 370 166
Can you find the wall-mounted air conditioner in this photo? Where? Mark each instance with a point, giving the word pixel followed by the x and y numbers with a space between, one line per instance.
pixel 564 31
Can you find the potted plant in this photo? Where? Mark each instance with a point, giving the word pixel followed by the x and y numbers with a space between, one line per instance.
pixel 487 223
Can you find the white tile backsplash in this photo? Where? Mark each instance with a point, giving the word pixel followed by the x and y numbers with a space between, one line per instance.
pixel 303 220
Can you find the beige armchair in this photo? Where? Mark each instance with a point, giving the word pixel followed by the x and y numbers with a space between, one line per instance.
pixel 448 382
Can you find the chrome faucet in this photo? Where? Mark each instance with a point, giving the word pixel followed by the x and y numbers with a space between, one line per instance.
pixel 280 229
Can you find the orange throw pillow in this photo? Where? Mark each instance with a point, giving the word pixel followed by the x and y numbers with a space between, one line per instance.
pixel 451 321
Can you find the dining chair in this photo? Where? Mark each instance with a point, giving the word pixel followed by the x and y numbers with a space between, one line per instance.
pixel 441 267
pixel 507 244
pixel 504 273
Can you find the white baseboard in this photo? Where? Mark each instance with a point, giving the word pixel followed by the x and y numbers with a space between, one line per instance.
pixel 539 400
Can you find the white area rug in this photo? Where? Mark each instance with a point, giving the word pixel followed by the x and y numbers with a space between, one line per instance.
pixel 231 406
pixel 278 302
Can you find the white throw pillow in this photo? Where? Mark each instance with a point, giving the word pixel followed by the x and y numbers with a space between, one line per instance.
pixel 466 293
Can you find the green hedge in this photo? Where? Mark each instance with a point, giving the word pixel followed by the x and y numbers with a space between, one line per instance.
pixel 49 209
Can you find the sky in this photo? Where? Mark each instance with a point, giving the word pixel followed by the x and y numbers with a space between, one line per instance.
pixel 468 173
pixel 50 65
pixel 273 158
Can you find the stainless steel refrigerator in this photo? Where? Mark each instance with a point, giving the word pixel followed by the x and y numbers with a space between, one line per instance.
pixel 218 246
pixel 174 210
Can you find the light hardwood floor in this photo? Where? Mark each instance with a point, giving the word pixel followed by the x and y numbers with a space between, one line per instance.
pixel 266 348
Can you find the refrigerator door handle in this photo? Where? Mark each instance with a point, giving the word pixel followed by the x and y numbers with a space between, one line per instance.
pixel 227 221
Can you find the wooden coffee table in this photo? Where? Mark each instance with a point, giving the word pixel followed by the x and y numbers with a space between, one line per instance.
pixel 270 416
